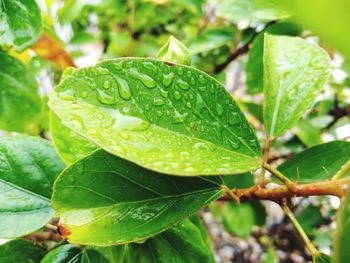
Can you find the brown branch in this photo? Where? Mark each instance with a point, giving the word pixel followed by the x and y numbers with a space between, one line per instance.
pixel 259 191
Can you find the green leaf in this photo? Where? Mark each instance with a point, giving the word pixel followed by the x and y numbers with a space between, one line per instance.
pixel 21 251
pixel 322 258
pixel 254 65
pixel 20 23
pixel 28 168
pixel 342 237
pixel 124 202
pixel 212 38
pixel 71 253
pixel 308 133
pixel 69 145
pixel 251 10
pixel 182 243
pixel 20 101
pixel 310 218
pixel 295 72
pixel 174 51
pixel 317 163
pixel 166 118
pixel 256 110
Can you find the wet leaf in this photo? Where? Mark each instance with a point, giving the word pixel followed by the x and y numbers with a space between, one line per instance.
pixel 342 237
pixel 69 145
pixel 174 51
pixel 295 72
pixel 21 251
pixel 167 118
pixel 20 23
pixel 28 168
pixel 320 162
pixel 124 202
pixel 20 101
pixel 182 243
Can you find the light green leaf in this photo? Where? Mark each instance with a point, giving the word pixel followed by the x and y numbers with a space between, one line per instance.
pixel 342 237
pixel 181 244
pixel 166 118
pixel 28 168
pixel 21 251
pixel 308 133
pixel 124 202
pixel 251 10
pixel 20 101
pixel 175 52
pixel 254 65
pixel 295 72
pixel 69 145
pixel 20 23
pixel 322 258
pixel 317 163
pixel 211 39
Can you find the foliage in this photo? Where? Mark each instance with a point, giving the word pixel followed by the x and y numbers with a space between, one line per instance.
pixel 137 147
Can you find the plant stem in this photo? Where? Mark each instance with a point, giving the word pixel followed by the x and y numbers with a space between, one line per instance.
pixel 330 187
pixel 342 171
pixel 266 154
pixel 312 249
pixel 278 174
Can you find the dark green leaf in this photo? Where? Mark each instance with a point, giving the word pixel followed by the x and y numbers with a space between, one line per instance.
pixel 181 244
pixel 124 202
pixel 310 218
pixel 69 145
pixel 20 101
pixel 165 117
pixel 256 110
pixel 322 258
pixel 20 23
pixel 21 251
pixel 342 237
pixel 254 66
pixel 28 168
pixel 317 163
pixel 295 72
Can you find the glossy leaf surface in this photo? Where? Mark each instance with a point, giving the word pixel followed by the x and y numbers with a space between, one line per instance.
pixel 124 202
pixel 20 101
pixel 295 72
pixel 20 23
pixel 28 168
pixel 254 66
pixel 69 145
pixel 342 237
pixel 21 251
pixel 174 51
pixel 164 117
pixel 317 163
pixel 181 244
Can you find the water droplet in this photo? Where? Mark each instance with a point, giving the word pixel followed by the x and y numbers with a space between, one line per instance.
pixel 105 98
pixel 66 94
pixel 107 84
pixel 102 71
pixel 233 118
pixel 147 107
pixel 118 66
pixel 234 143
pixel 91 132
pixel 177 95
pixel 200 104
pixel 180 71
pixel 124 90
pixel 158 102
pixel 188 105
pixel 189 170
pixel 201 79
pixel 169 155
pixel 149 65
pixel 219 109
pixel 193 81
pixel 182 84
pixel 168 79
pixel 145 79
pixel 179 118
pixel 125 135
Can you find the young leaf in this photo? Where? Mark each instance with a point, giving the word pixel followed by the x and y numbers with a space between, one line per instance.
pixel 182 243
pixel 342 237
pixel 174 51
pixel 254 65
pixel 317 163
pixel 20 23
pixel 164 117
pixel 28 167
pixel 295 72
pixel 124 202
pixel 20 101
pixel 69 145
pixel 21 251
